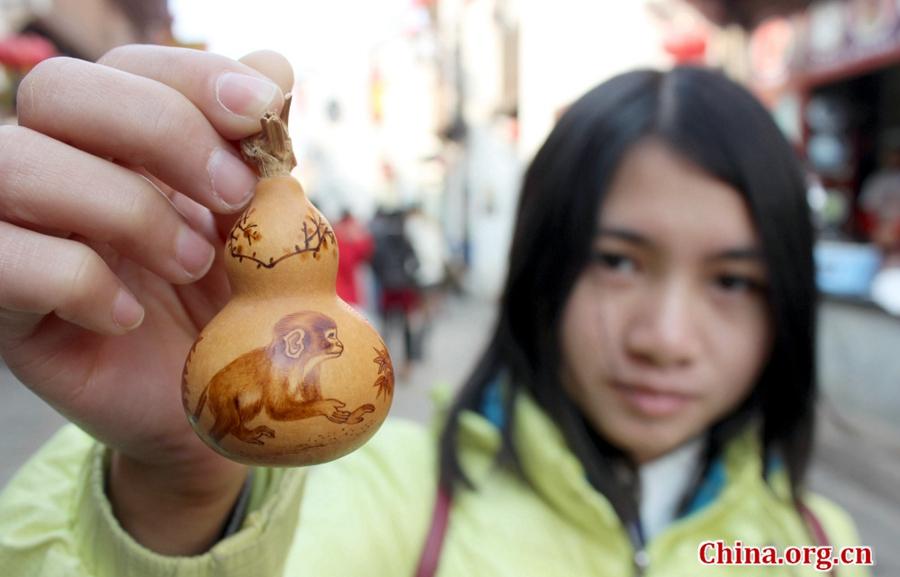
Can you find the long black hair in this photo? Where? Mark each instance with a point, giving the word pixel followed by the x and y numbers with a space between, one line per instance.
pixel 724 130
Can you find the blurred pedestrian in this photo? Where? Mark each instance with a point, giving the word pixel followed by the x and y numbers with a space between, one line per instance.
pixel 355 248
pixel 648 386
pixel 394 266
pixel 432 252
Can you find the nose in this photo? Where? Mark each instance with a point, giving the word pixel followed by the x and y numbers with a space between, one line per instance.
pixel 663 330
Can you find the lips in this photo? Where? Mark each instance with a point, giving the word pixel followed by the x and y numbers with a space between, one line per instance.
pixel 652 401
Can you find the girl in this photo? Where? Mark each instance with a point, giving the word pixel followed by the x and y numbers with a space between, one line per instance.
pixel 648 389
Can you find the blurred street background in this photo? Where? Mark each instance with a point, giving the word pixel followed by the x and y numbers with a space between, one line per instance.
pixel 414 119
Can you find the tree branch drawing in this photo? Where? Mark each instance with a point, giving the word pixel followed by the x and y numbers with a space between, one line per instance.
pixel 249 231
pixel 315 234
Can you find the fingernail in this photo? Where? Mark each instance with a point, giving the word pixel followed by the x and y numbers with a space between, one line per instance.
pixel 127 312
pixel 230 178
pixel 246 95
pixel 193 253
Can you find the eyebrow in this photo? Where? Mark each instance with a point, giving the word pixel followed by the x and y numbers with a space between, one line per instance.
pixel 748 253
pixel 740 254
pixel 626 235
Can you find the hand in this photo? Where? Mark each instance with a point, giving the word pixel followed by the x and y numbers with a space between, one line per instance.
pixel 333 410
pixel 117 190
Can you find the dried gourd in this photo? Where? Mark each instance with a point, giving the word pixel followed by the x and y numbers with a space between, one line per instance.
pixel 287 373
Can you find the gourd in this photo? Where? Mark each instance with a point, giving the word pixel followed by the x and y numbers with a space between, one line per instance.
pixel 287 373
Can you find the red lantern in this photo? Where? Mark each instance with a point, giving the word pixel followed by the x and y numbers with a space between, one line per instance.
pixel 686 47
pixel 23 52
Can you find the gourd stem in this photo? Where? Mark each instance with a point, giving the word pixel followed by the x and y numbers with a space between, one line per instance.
pixel 270 150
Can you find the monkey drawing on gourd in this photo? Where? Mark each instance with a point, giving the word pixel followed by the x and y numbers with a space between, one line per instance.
pixel 281 379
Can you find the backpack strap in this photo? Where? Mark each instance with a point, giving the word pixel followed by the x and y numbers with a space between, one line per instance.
pixel 816 529
pixel 431 553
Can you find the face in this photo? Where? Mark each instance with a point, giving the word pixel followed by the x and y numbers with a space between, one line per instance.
pixel 333 345
pixel 667 328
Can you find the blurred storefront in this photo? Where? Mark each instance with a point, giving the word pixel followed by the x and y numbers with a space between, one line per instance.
pixel 507 70
pixel 479 47
pixel 488 79
pixel 830 72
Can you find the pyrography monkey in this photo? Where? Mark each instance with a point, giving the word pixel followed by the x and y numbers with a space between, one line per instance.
pixel 281 378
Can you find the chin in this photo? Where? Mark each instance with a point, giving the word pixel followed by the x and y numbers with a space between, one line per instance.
pixel 645 442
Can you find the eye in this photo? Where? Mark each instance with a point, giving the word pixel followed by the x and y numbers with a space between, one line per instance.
pixel 739 284
pixel 613 261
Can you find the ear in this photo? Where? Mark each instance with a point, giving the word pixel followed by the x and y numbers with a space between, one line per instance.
pixel 293 343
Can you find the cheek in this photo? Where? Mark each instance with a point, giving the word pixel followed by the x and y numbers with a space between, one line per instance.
pixel 584 340
pixel 741 352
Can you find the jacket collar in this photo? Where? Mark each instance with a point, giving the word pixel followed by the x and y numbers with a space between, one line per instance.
pixel 558 477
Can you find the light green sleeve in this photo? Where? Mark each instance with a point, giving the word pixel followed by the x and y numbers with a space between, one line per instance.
pixel 368 513
pixel 55 520
pixel 365 514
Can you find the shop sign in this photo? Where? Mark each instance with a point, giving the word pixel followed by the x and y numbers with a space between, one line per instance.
pixel 827 31
pixel 839 31
pixel 873 25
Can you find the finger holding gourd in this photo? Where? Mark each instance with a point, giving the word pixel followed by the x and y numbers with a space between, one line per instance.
pixel 136 121
pixel 219 87
pixel 233 95
pixel 46 274
pixel 287 373
pixel 98 200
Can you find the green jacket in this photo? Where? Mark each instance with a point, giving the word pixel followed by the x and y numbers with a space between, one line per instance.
pixel 368 514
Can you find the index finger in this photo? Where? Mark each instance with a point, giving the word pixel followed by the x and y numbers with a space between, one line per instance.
pixel 135 121
pixel 232 95
pixel 183 139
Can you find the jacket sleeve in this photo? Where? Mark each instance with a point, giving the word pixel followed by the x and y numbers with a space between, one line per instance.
pixel 364 514
pixel 55 520
pixel 368 513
